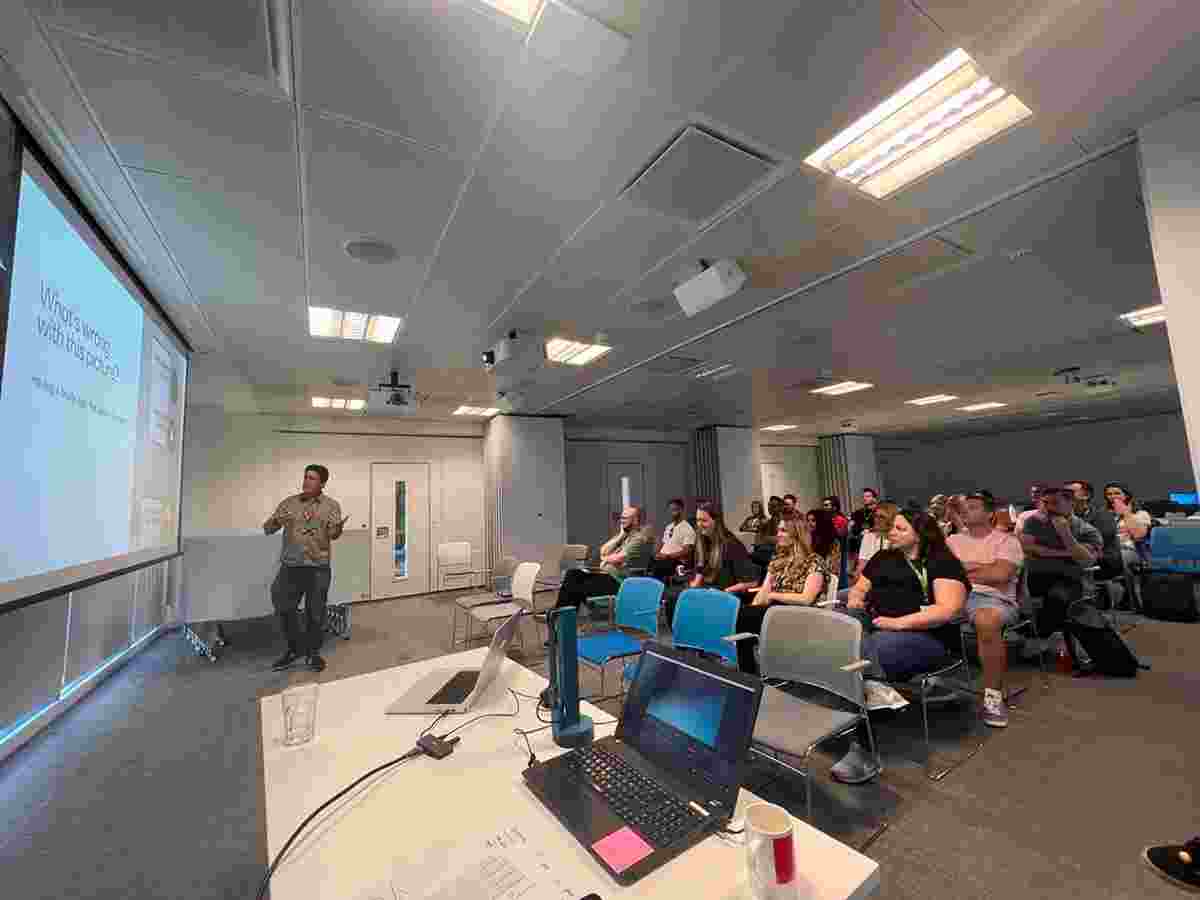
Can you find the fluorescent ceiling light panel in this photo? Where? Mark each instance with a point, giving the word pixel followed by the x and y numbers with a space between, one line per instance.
pixel 573 353
pixel 932 398
pixel 382 329
pixel 476 411
pixel 521 10
pixel 1148 315
pixel 979 407
pixel 938 117
pixel 354 326
pixel 324 322
pixel 843 387
pixel 320 402
pixel 356 404
pixel 337 403
pixel 780 427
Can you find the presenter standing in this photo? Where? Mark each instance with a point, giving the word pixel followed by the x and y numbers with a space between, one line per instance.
pixel 310 521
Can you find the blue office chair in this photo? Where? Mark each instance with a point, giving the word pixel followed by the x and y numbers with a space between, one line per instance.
pixel 703 618
pixel 636 621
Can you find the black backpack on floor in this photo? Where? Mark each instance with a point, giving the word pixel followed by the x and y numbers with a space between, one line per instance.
pixel 1170 596
pixel 1109 653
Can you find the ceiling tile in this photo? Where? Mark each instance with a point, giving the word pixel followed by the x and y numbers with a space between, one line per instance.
pixel 363 183
pixel 224 34
pixel 817 75
pixel 254 263
pixel 159 119
pixel 428 71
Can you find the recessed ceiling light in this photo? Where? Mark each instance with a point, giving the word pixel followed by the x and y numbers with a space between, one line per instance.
pixel 932 398
pixel 521 10
pixel 574 353
pixel 356 403
pixel 937 117
pixel 779 427
pixel 320 402
pixel 1148 315
pixel 337 403
pixel 979 407
pixel 843 387
pixel 371 250
pixel 325 322
pixel 476 411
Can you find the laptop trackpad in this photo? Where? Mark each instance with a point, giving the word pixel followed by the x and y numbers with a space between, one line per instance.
pixel 589 816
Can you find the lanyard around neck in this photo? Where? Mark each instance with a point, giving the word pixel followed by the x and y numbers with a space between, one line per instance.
pixel 922 575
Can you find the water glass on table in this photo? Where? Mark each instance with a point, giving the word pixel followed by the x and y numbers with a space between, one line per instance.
pixel 300 713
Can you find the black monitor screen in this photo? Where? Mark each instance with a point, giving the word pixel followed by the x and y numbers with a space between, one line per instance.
pixel 689 717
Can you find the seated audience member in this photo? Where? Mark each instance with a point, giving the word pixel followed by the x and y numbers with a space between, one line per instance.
pixel 833 505
pixel 796 575
pixel 1035 496
pixel 789 506
pixel 875 538
pixel 955 511
pixel 755 520
pixel 1102 520
pixel 910 600
pixel 1133 524
pixel 628 550
pixel 1058 547
pixel 862 519
pixel 678 544
pixel 823 538
pixel 764 539
pixel 993 562
pixel 722 561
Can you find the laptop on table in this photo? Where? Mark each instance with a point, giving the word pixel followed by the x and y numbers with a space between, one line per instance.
pixel 456 690
pixel 670 775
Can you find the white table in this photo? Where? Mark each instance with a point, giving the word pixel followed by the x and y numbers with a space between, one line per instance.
pixel 409 812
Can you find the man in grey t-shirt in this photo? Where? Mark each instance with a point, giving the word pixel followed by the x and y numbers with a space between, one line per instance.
pixel 1058 546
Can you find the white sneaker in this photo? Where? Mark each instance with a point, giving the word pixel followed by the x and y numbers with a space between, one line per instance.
pixel 995 710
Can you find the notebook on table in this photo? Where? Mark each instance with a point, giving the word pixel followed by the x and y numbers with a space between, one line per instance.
pixel 668 777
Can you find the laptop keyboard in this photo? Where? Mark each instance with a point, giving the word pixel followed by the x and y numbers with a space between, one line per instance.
pixel 456 690
pixel 653 811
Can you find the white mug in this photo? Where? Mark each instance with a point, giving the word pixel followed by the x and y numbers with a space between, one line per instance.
pixel 770 852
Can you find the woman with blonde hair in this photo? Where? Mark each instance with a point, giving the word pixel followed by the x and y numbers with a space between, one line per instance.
pixel 797 575
pixel 875 539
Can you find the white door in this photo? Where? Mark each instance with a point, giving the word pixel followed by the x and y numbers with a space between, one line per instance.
pixel 625 486
pixel 774 479
pixel 399 529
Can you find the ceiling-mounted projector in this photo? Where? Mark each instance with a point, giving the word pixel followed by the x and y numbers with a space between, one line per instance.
pixel 716 282
pixel 392 398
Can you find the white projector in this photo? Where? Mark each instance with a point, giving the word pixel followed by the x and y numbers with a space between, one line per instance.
pixel 722 279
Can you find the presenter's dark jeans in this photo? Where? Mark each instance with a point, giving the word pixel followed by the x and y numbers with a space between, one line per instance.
pixel 311 583
pixel 578 585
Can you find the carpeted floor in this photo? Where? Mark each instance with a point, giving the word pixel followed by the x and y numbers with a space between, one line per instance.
pixel 150 787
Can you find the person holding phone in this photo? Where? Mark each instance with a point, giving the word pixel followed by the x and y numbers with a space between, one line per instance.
pixel 310 521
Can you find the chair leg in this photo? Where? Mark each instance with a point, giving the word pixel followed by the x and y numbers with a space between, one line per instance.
pixel 942 773
pixel 453 624
pixel 808 788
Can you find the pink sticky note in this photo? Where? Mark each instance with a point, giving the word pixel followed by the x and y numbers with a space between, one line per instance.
pixel 622 849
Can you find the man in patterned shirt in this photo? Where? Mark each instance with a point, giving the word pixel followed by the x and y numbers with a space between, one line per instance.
pixel 310 521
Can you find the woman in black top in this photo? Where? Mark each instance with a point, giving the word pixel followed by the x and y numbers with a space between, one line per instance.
pixel 909 599
pixel 722 561
pixel 912 595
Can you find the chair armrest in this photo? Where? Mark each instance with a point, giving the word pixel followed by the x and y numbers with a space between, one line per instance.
pixel 856 666
pixel 740 636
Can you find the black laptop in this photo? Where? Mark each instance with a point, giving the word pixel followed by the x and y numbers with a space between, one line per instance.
pixel 670 775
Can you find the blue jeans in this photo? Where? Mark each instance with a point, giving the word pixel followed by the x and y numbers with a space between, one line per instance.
pixel 897 655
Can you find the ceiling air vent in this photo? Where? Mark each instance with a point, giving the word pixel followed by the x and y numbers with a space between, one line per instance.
pixel 697 176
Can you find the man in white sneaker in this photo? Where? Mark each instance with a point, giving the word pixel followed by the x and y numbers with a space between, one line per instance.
pixel 992 559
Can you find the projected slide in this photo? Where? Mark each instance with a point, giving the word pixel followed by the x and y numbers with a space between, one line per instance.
pixel 91 397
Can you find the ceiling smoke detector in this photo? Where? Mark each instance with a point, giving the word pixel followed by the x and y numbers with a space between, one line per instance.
pixel 370 250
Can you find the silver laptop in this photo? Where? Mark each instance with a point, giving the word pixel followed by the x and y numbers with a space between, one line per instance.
pixel 456 690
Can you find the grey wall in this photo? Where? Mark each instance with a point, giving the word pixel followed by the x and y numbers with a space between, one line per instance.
pixel 1148 453
pixel 526 472
pixel 797 465
pixel 666 468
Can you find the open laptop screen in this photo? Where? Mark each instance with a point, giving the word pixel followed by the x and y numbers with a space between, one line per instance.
pixel 690 716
